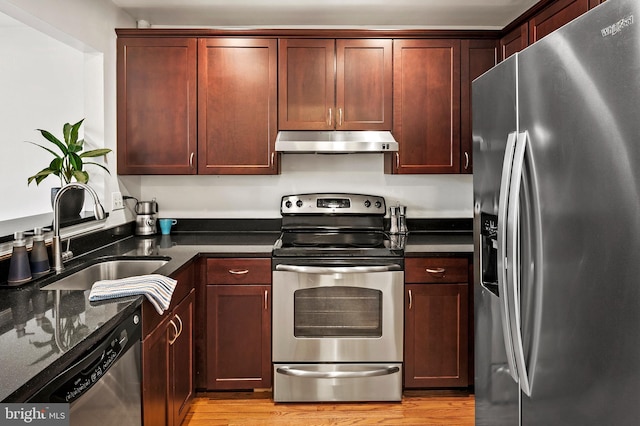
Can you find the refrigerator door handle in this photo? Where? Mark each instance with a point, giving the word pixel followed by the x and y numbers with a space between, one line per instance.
pixel 503 287
pixel 513 265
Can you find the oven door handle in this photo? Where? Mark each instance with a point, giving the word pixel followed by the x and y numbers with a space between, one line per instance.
pixel 338 269
pixel 288 371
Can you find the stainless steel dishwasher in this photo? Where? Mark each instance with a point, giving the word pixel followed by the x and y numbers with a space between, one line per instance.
pixel 104 385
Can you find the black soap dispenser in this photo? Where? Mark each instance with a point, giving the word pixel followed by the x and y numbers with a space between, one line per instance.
pixel 19 269
pixel 39 256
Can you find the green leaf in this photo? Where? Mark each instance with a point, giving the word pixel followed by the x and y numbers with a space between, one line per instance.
pixel 38 177
pixel 66 132
pixel 81 176
pixel 75 161
pixel 56 164
pixel 95 152
pixel 55 154
pixel 73 135
pixel 48 136
pixel 74 147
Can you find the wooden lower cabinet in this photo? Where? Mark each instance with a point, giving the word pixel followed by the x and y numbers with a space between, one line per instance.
pixel 238 321
pixel 168 364
pixel 436 324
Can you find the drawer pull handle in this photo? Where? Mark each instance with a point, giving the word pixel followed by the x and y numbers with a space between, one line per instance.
pixel 410 300
pixel 238 271
pixel 436 271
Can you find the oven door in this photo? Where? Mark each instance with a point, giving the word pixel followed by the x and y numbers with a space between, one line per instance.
pixel 338 314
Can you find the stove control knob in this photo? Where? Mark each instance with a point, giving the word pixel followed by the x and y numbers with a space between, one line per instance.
pixel 288 204
pixel 378 204
pixel 299 203
pixel 367 203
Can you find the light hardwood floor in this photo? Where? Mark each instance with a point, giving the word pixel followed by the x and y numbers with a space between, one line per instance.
pixel 256 408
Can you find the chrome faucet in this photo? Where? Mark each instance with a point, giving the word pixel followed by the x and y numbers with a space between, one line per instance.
pixel 56 247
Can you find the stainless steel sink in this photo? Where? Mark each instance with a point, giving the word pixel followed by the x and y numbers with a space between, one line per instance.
pixel 106 270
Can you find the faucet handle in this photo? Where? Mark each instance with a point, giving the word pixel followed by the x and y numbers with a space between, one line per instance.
pixel 67 254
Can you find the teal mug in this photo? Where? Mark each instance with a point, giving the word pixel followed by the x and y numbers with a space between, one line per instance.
pixel 165 225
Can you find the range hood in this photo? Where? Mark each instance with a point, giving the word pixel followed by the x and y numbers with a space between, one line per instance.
pixel 335 142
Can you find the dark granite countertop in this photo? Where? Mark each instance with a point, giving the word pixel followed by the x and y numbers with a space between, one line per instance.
pixel 36 345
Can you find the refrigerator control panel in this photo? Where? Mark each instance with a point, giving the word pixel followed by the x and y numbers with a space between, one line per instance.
pixel 489 255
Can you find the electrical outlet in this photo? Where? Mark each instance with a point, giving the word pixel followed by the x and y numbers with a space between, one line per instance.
pixel 116 201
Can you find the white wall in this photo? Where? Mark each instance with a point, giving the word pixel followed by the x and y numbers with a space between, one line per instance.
pixel 41 86
pixel 426 196
pixel 87 26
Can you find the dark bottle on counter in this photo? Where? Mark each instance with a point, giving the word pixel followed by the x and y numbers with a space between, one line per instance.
pixel 19 269
pixel 39 256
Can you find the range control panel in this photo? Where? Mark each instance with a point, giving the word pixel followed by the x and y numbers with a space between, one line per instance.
pixel 324 203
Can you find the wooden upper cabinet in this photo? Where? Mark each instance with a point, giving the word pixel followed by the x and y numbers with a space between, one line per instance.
pixel 306 84
pixel 478 56
pixel 327 84
pixel 156 105
pixel 426 106
pixel 554 16
pixel 237 106
pixel 364 87
pixel 516 40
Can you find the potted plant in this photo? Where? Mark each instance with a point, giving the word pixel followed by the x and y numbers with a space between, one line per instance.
pixel 68 164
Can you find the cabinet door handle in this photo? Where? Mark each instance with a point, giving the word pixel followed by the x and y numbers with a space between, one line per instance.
pixel 397 161
pixel 175 329
pixel 436 271
pixel 238 271
pixel 410 300
pixel 330 117
pixel 466 160
pixel 340 117
pixel 266 300
pixel 273 156
pixel 181 325
pixel 191 159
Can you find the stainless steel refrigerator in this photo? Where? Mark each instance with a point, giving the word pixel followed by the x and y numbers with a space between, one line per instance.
pixel 556 135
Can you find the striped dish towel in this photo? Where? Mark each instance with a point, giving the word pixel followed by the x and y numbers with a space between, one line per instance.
pixel 157 288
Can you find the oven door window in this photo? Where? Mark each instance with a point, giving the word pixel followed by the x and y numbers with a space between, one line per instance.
pixel 337 312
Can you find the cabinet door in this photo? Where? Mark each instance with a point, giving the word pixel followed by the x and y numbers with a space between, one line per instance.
pixel 554 16
pixel 155 377
pixel 238 336
pixel 436 335
pixel 514 41
pixel 181 359
pixel 426 106
pixel 237 106
pixel 478 56
pixel 364 86
pixel 306 84
pixel 156 106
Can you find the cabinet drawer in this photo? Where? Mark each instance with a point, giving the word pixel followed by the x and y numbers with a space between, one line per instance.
pixel 239 271
pixel 436 270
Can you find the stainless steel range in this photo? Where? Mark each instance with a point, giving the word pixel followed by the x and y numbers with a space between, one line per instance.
pixel 338 282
